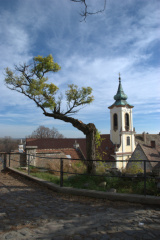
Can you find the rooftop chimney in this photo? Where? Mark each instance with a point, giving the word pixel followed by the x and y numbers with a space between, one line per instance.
pixel 144 137
pixel 76 145
pixel 153 144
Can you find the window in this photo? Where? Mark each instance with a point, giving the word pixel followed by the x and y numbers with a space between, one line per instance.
pixel 127 121
pixel 128 141
pixel 115 122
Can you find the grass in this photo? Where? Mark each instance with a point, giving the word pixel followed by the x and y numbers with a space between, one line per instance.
pixel 47 176
pixel 122 185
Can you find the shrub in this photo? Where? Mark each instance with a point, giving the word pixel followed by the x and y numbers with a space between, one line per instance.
pixel 101 167
pixel 72 166
pixel 134 168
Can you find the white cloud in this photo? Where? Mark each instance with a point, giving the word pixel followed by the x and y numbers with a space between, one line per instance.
pixel 90 54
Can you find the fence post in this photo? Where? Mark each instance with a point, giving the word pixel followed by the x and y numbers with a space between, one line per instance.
pixel 4 161
pixel 28 162
pixel 61 172
pixel 145 177
pixel 9 159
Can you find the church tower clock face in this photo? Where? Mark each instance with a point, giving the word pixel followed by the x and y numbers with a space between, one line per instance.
pixel 122 133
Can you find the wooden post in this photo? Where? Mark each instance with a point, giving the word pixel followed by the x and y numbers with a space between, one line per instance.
pixel 61 172
pixel 4 161
pixel 145 177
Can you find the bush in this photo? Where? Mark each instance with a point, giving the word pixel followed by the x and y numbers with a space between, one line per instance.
pixel 134 168
pixel 101 167
pixel 72 166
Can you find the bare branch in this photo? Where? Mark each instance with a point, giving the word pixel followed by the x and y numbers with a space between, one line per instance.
pixel 86 13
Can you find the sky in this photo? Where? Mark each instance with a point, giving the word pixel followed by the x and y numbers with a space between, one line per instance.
pixel 124 39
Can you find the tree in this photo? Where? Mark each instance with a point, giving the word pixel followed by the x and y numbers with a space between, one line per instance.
pixel 31 80
pixel 7 144
pixel 44 132
pixel 85 13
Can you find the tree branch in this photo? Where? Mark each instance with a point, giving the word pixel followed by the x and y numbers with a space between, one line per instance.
pixel 85 13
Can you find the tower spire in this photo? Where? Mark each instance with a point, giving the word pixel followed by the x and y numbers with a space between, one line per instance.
pixel 120 96
pixel 119 77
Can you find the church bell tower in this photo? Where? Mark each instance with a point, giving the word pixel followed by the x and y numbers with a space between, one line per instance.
pixel 122 133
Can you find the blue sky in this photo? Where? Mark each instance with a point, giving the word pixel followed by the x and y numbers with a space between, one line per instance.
pixel 125 38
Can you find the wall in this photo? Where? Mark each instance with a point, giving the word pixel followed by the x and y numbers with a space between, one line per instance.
pixel 13 159
pixel 48 160
pixel 1 161
pixel 138 154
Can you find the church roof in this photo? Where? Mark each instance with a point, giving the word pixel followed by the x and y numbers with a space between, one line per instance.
pixel 120 98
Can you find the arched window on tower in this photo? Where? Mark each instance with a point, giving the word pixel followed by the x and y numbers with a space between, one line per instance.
pixel 127 121
pixel 128 141
pixel 115 121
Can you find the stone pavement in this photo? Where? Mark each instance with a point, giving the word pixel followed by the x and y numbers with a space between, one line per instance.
pixel 30 211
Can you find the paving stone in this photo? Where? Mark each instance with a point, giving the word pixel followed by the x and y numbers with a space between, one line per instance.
pixel 104 237
pixel 77 237
pixel 3 215
pixel 39 213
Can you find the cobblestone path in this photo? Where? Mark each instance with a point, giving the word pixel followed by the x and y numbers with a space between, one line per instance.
pixel 29 211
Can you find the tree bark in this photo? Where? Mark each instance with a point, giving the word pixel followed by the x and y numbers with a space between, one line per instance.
pixel 91 149
pixel 89 130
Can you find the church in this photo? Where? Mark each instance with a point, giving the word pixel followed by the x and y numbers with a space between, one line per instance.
pixel 116 147
pixel 122 132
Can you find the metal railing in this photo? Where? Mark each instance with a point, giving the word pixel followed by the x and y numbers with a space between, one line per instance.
pixel 62 172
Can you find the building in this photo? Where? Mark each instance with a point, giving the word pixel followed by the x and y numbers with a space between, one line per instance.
pixel 118 146
pixel 73 148
pixel 122 133
pixel 150 154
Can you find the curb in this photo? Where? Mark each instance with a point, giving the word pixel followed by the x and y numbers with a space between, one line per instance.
pixel 133 198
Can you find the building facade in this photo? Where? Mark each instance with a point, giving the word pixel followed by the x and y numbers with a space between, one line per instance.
pixel 122 133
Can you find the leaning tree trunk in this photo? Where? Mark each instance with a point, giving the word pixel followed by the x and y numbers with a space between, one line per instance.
pixel 89 130
pixel 91 149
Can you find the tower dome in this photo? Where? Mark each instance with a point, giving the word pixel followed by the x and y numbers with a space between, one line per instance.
pixel 120 97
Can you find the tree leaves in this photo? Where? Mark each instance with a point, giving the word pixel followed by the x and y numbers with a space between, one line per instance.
pixel 31 80
pixel 76 97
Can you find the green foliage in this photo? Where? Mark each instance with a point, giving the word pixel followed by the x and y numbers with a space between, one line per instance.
pixel 134 169
pixel 46 176
pixel 101 167
pixel 31 80
pixel 122 185
pixel 135 166
pixel 77 167
pixel 92 183
pixel 45 64
pixel 98 141
pixel 78 96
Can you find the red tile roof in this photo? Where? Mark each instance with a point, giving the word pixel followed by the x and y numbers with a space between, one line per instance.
pixel 152 154
pixel 56 143
pixel 67 143
pixel 67 151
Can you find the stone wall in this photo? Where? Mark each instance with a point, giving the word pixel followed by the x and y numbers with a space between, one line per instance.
pixel 31 155
pixel 16 160
pixel 12 160
pixel 1 161
pixel 48 160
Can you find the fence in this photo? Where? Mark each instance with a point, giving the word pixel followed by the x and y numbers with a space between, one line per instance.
pixel 7 160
